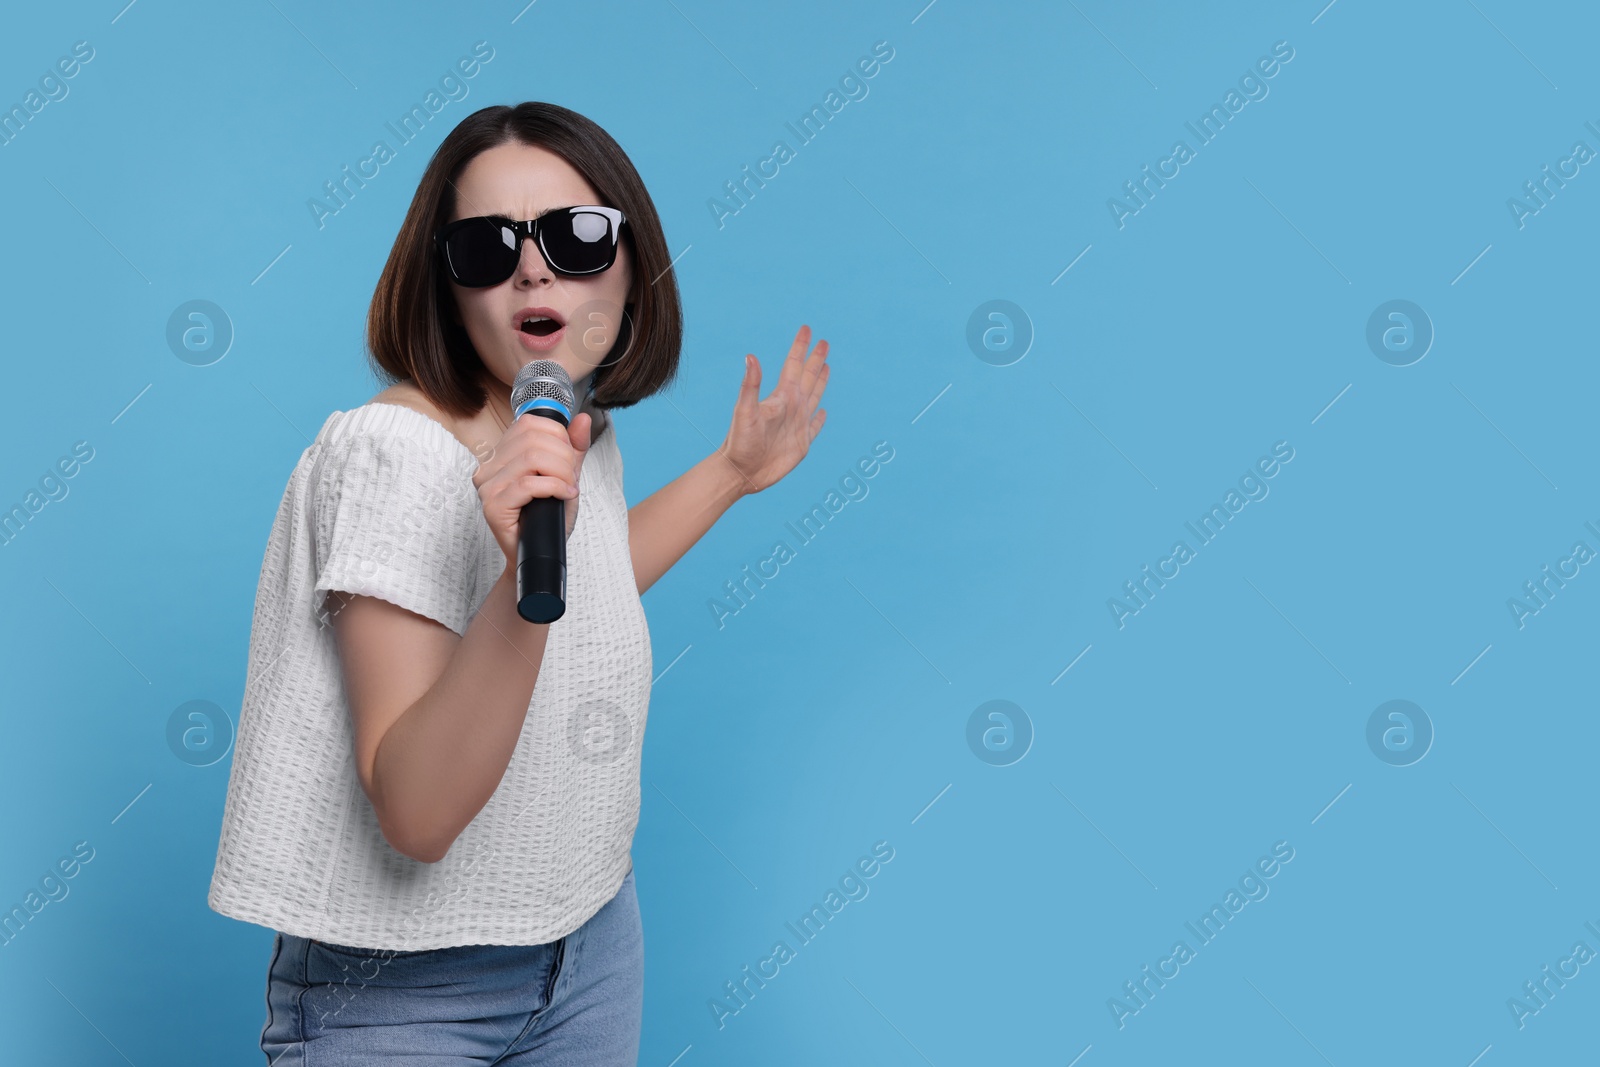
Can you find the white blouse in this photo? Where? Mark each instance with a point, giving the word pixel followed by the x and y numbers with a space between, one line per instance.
pixel 382 504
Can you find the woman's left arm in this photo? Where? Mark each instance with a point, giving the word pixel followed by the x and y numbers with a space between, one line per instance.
pixel 766 440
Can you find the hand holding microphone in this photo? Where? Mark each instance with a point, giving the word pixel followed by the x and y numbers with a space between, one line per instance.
pixel 529 486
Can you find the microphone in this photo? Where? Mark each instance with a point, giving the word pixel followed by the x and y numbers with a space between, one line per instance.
pixel 542 388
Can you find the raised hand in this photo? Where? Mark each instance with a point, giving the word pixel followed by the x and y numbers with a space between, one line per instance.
pixel 768 438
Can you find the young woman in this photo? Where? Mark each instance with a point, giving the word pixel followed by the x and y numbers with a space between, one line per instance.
pixel 432 800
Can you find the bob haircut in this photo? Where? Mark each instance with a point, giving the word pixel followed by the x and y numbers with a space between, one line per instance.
pixel 414 331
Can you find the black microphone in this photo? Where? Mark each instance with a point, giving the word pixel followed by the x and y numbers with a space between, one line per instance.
pixel 542 388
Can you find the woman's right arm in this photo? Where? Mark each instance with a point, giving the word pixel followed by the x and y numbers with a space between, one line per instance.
pixel 437 716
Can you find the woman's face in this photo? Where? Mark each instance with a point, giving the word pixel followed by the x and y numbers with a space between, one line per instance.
pixel 520 181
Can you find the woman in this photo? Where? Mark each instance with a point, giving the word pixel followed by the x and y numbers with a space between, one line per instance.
pixel 432 800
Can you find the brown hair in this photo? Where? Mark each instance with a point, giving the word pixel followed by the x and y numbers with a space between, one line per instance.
pixel 409 335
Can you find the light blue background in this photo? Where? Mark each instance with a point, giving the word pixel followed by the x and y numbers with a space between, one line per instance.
pixel 1227 315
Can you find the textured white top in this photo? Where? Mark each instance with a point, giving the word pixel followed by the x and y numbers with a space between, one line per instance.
pixel 382 504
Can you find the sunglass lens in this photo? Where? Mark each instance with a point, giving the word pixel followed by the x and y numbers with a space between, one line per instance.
pixel 578 242
pixel 483 252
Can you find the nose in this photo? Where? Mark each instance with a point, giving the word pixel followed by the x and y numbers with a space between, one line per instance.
pixel 531 267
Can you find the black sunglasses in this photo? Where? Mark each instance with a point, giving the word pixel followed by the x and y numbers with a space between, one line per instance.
pixel 575 241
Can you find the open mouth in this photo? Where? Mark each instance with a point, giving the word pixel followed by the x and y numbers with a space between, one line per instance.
pixel 540 327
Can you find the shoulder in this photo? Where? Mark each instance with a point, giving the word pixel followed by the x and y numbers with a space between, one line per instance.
pixel 406 395
pixel 384 459
pixel 467 432
pixel 395 446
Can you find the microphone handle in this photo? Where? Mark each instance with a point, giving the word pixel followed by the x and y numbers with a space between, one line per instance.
pixel 542 553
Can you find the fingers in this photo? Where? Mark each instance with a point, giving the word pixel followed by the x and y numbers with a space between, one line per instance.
pixel 529 485
pixel 535 458
pixel 581 434
pixel 805 371
pixel 816 373
pixel 792 363
pixel 538 447
pixel 750 386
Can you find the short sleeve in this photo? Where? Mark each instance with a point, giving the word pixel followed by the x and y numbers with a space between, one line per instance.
pixel 397 519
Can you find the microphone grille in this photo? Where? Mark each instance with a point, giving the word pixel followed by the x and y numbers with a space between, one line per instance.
pixel 542 379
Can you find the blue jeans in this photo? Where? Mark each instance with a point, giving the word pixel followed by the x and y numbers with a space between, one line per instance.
pixel 577 1001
